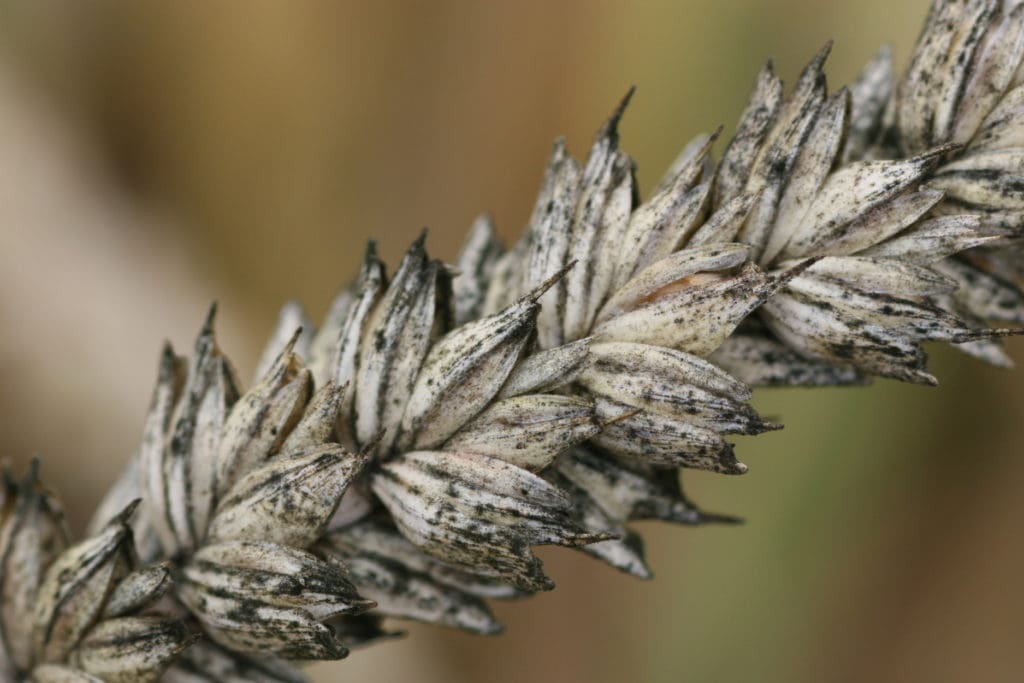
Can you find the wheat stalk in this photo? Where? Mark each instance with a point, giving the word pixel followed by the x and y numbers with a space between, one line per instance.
pixel 402 459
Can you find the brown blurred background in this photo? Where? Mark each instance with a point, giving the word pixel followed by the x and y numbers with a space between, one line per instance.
pixel 155 156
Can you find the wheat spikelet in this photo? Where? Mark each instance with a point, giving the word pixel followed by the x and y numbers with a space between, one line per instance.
pixel 403 459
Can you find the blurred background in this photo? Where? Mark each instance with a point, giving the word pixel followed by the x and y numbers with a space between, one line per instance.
pixel 156 156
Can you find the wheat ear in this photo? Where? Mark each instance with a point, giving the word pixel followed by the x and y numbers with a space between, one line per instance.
pixel 402 459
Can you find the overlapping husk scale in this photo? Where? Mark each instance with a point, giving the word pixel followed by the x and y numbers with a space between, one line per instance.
pixel 83 611
pixel 403 459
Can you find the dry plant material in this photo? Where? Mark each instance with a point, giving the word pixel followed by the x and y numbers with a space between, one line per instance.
pixel 403 459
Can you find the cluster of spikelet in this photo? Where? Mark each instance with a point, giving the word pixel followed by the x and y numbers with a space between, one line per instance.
pixel 402 459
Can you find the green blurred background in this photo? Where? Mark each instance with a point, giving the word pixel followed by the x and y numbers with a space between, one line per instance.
pixel 155 156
